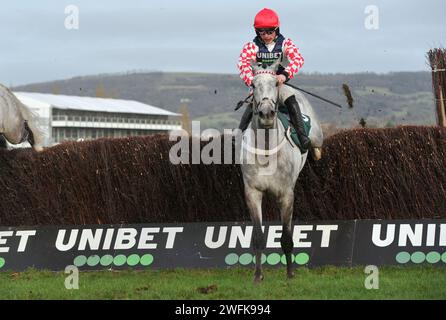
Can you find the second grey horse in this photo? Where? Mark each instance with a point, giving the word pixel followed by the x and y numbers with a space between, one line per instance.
pixel 17 122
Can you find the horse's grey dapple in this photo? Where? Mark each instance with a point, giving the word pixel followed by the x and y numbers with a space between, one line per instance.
pixel 275 165
pixel 17 123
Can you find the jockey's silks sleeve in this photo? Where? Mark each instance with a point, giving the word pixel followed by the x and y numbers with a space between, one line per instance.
pixel 295 59
pixel 248 54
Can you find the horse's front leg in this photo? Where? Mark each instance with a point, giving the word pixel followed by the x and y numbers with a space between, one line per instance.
pixel 286 241
pixel 254 203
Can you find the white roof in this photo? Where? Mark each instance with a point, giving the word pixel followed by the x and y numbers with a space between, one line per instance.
pixel 94 104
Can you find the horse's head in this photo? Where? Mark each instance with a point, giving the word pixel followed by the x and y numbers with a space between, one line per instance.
pixel 266 92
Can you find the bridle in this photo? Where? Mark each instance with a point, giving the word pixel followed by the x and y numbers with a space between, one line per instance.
pixel 256 104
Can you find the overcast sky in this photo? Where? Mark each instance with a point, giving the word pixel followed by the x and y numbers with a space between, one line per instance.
pixel 207 36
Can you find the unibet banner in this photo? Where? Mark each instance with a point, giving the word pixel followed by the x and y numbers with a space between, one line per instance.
pixel 222 245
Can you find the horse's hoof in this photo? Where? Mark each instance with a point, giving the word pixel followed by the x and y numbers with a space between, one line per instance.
pixel 38 148
pixel 258 279
pixel 317 154
pixel 290 275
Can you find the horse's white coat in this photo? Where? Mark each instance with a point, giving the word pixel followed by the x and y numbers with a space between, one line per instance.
pixel 276 174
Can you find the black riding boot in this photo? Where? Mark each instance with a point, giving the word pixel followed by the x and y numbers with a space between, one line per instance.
pixel 246 118
pixel 297 121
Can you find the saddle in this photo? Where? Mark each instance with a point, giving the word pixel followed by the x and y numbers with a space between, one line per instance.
pixel 285 119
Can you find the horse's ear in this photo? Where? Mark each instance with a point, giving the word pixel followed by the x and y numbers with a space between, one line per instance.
pixel 255 67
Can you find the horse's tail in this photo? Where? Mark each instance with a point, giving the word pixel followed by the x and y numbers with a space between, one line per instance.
pixel 36 136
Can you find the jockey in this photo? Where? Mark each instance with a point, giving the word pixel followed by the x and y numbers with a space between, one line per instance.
pixel 268 46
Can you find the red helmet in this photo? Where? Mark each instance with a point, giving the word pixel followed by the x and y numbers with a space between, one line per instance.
pixel 266 18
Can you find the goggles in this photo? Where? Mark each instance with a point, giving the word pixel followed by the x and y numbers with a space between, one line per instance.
pixel 267 31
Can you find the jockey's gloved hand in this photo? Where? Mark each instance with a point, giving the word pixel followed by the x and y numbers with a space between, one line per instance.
pixel 281 78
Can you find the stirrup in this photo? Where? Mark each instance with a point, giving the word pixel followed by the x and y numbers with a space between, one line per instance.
pixel 316 153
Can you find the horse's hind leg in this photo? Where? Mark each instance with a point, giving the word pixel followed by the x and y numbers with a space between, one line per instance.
pixel 31 139
pixel 254 203
pixel 286 241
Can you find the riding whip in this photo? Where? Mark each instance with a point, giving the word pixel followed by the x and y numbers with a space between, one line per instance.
pixel 314 95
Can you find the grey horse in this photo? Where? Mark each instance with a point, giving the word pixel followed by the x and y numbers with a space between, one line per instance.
pixel 17 123
pixel 270 163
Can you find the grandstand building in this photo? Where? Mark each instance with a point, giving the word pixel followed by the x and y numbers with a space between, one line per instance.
pixel 65 118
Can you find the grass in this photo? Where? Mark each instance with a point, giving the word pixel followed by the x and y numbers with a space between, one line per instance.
pixel 421 282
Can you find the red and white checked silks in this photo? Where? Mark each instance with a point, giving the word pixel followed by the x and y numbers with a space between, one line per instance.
pixel 249 52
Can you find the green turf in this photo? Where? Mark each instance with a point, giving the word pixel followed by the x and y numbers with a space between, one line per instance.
pixel 423 282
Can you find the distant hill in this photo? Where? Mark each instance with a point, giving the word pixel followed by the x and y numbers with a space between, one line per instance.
pixel 381 99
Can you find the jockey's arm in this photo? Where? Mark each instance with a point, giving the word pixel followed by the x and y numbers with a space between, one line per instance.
pixel 294 57
pixel 247 55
